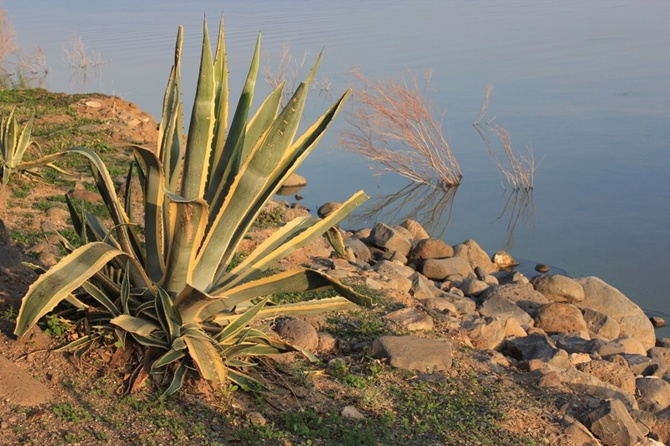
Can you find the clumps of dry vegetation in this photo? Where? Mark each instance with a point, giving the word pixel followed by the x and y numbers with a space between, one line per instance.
pixel 83 62
pixel 18 68
pixel 519 170
pixel 394 127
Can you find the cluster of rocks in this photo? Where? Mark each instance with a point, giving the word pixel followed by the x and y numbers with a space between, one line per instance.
pixel 577 335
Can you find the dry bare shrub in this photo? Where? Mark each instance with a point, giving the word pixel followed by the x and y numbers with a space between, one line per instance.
pixel 519 172
pixel 18 68
pixel 394 127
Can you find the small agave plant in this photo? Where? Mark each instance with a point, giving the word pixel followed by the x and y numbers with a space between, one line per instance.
pixel 14 143
pixel 174 292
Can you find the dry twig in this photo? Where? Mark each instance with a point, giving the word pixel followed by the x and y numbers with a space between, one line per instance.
pixel 394 127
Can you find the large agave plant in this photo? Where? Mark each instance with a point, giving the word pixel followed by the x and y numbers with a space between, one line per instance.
pixel 14 143
pixel 174 292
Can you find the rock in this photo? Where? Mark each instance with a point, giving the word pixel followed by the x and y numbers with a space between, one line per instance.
pixel 439 304
pixel 17 387
pixel 360 249
pixel 600 324
pixel 606 299
pixel 658 321
pixel 462 304
pixel 413 353
pixel 578 434
pixel 474 287
pixel 654 394
pixel 522 295
pixel 542 268
pixel 532 346
pixel 422 288
pixel 485 333
pixel 560 317
pixel 663 342
pixel 390 239
pixel 397 275
pixel 440 269
pixel 475 256
pixel 256 419
pixel 411 319
pixel 328 208
pixel 503 260
pixel 642 365
pixel 4 234
pixel 615 372
pixel 513 329
pixel 298 332
pixel 660 353
pixel 430 248
pixel 352 413
pixel 327 342
pixel 295 180
pixel 612 423
pixel 415 228
pixel 497 307
pixel 558 288
pixel 85 195
pixel 10 257
pixel 619 346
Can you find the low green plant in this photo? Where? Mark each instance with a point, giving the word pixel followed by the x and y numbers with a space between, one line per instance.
pixel 172 293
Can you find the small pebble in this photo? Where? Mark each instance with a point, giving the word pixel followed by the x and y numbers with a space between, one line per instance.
pixel 256 419
pixel 541 268
pixel 298 197
pixel 658 321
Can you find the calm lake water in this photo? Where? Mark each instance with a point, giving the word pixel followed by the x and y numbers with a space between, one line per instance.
pixel 586 83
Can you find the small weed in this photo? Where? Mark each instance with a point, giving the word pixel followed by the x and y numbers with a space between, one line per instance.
pixel 8 313
pixel 70 413
pixel 270 217
pixel 56 326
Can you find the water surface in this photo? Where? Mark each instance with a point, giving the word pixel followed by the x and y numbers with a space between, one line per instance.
pixel 587 83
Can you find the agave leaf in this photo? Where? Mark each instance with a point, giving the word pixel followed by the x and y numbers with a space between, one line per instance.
pixel 242 321
pixel 154 184
pixel 190 227
pixel 177 380
pixel 329 304
pixel 336 241
pixel 229 160
pixel 135 325
pixel 201 128
pixel 296 280
pixel 167 315
pixel 221 94
pixel 206 358
pixel 101 297
pixel 57 283
pixel 245 381
pixel 168 358
pixel 285 240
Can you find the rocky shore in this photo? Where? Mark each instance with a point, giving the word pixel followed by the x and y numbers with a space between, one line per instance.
pixel 577 334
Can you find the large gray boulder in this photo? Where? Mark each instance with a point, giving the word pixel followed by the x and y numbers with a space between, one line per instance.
pixel 430 248
pixel 498 307
pixel 606 299
pixel 520 294
pixel 654 394
pixel 560 317
pixel 475 255
pixel 613 424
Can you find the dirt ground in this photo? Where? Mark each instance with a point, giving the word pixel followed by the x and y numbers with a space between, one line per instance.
pixel 89 403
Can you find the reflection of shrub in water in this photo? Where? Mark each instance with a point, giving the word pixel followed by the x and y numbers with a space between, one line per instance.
pixel 519 207
pixel 428 205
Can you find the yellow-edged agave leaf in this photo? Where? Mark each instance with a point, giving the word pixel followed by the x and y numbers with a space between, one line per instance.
pixel 154 184
pixel 337 303
pixel 246 196
pixel 201 128
pixel 207 358
pixel 296 280
pixel 284 241
pixel 168 317
pixel 136 325
pixel 57 283
pixel 228 161
pixel 190 227
pixel 111 199
pixel 221 101
pixel 170 141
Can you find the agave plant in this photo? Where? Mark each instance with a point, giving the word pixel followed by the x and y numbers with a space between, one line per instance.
pixel 14 143
pixel 174 292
